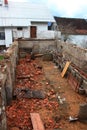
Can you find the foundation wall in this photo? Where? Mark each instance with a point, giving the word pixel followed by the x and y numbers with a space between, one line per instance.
pixel 8 62
pixel 77 71
pixel 76 55
pixel 61 51
pixel 38 45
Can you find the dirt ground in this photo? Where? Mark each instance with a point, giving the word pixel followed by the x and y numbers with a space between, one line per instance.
pixel 44 76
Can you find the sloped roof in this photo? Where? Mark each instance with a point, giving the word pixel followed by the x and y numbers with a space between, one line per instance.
pixel 72 25
pixel 30 12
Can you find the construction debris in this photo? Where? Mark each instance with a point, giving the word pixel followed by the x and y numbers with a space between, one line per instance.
pixel 28 93
pixel 72 119
pixel 35 92
pixel 61 100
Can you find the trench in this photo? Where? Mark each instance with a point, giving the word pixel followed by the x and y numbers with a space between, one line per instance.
pixel 37 86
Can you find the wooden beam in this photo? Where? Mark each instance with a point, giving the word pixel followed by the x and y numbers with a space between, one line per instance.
pixel 36 121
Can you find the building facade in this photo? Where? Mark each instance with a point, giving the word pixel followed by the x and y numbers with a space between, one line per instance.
pixel 24 20
pixel 73 30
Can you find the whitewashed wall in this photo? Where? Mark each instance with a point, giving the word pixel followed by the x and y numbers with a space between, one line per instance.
pixel 24 33
pixel 12 32
pixel 76 39
pixel 8 36
pixel 2 42
pixel 43 32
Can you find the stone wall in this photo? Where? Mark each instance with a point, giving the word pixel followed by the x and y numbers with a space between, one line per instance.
pixel 38 45
pixel 77 71
pixel 8 62
pixel 76 55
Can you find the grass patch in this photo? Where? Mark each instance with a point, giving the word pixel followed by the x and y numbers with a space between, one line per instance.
pixel 1 57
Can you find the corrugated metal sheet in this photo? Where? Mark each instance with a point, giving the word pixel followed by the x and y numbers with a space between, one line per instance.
pixel 24 11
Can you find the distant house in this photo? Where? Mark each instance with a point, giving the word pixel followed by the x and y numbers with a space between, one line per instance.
pixel 24 20
pixel 72 29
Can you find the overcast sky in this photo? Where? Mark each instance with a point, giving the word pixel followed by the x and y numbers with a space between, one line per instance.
pixel 65 8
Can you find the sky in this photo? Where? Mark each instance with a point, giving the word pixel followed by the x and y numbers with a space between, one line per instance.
pixel 64 8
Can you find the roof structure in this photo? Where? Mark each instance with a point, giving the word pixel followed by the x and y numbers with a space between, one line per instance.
pixel 72 25
pixel 15 13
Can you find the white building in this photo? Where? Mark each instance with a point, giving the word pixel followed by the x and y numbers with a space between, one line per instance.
pixel 73 30
pixel 24 20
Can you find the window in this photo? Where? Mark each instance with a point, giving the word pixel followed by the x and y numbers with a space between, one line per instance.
pixel 49 26
pixel 19 28
pixel 0 2
pixel 2 35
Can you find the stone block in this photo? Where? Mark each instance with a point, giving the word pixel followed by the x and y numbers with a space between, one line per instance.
pixel 82 115
pixel 35 49
pixel 4 123
pixel 84 84
pixel 73 72
pixel 78 77
pixel 9 94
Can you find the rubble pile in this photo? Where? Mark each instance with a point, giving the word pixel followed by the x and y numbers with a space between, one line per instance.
pixel 30 96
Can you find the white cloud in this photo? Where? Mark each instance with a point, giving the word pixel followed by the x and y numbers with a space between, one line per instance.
pixel 64 8
pixel 68 8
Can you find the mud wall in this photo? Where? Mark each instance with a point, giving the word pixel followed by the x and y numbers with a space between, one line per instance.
pixel 8 62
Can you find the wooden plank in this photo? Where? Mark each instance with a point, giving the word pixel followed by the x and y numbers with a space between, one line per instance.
pixel 65 68
pixel 36 121
pixel 38 55
pixel 24 77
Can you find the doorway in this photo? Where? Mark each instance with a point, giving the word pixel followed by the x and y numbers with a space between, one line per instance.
pixel 33 32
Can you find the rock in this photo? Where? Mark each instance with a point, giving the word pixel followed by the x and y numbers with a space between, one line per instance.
pixel 28 93
pixel 81 91
pixel 38 94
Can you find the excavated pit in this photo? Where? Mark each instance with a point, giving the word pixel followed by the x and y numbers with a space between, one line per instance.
pixel 31 82
pixel 37 88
